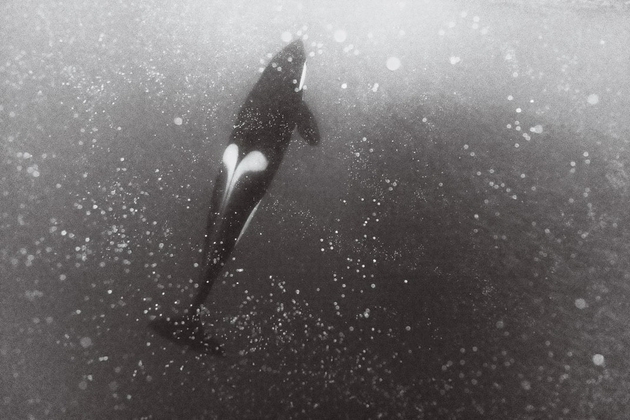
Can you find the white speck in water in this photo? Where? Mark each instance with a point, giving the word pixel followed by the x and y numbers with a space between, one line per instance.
pixel 593 99
pixel 286 36
pixel 580 303
pixel 178 121
pixel 598 359
pixel 86 342
pixel 454 60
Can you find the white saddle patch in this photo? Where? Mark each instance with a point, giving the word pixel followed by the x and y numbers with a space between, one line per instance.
pixel 254 161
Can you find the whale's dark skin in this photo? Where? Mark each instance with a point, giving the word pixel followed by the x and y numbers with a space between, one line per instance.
pixel 262 132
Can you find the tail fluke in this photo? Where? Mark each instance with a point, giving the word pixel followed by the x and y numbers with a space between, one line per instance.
pixel 188 331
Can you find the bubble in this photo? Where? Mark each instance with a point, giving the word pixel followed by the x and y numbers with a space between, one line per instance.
pixel 393 63
pixel 340 35
pixel 593 99
pixel 86 342
pixel 178 121
pixel 580 303
pixel 286 36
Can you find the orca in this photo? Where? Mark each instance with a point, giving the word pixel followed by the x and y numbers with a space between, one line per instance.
pixel 262 132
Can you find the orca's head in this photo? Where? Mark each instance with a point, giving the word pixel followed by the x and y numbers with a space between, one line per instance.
pixel 284 76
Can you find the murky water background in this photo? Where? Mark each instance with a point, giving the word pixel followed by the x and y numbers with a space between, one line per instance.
pixel 456 248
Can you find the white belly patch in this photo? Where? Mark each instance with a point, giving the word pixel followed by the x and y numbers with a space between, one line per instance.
pixel 254 161
pixel 302 78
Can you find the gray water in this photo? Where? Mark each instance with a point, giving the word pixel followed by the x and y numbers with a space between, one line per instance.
pixel 456 247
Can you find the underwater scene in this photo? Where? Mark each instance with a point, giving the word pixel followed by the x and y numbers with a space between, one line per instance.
pixel 440 190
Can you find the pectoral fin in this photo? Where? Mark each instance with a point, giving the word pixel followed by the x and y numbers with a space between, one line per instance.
pixel 307 126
